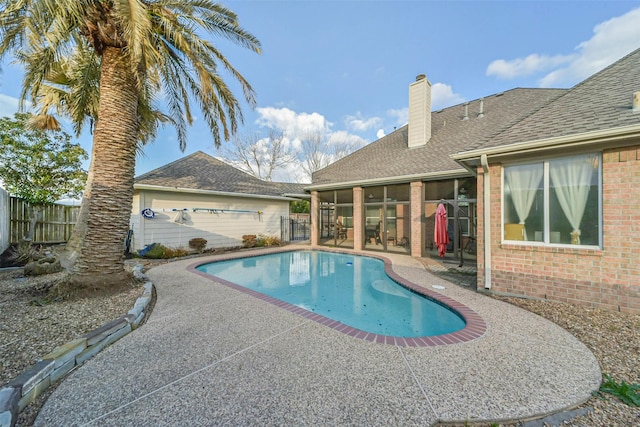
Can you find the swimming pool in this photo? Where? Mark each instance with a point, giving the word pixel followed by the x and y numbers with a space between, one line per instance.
pixel 351 289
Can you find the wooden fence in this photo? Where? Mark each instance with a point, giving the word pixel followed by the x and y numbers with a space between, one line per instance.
pixel 55 227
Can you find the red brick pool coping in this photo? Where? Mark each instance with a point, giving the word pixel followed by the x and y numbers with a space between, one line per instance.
pixel 475 325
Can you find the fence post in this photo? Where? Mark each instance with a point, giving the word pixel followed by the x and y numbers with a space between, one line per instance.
pixel 4 220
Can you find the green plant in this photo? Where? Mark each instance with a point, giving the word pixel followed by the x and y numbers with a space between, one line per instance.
pixel 158 251
pixel 198 244
pixel 300 206
pixel 269 241
pixel 627 393
pixel 37 166
pixel 41 302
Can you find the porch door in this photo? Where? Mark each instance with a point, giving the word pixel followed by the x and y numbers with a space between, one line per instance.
pixel 461 215
pixel 387 227
pixel 461 227
pixel 327 221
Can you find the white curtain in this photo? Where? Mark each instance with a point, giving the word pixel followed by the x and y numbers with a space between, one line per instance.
pixel 571 178
pixel 524 183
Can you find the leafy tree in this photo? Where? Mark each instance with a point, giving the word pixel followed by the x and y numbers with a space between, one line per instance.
pixel 257 156
pixel 142 50
pixel 39 167
pixel 300 206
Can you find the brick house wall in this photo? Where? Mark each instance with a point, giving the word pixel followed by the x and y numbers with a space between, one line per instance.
pixel 608 278
pixel 417 218
pixel 315 219
pixel 358 218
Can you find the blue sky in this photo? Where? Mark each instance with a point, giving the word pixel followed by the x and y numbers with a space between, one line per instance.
pixel 343 67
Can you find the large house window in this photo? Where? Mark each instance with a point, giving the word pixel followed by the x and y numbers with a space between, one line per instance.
pixel 555 201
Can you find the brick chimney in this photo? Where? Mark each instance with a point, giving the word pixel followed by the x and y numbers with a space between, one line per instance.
pixel 419 111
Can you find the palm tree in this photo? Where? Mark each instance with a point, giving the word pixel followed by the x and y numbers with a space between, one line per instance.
pixel 141 49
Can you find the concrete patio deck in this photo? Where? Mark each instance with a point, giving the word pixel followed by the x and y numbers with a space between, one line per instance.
pixel 211 355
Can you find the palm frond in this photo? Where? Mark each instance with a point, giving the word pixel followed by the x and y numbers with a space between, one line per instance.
pixel 60 43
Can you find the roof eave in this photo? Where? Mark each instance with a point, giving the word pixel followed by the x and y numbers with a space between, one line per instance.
pixel 303 196
pixel 208 192
pixel 430 176
pixel 625 135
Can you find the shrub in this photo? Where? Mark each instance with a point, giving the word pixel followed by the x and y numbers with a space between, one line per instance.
pixel 269 241
pixel 175 252
pixel 198 244
pixel 159 251
pixel 249 240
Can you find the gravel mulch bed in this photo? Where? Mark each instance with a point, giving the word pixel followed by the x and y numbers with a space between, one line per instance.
pixel 31 325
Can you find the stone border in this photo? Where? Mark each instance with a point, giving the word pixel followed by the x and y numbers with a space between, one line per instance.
pixel 26 387
pixel 475 326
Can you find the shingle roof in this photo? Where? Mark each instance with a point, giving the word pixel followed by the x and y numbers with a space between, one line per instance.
pixel 603 101
pixel 390 157
pixel 201 171
pixel 291 188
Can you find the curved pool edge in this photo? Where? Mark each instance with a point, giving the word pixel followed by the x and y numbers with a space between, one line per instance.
pixel 475 326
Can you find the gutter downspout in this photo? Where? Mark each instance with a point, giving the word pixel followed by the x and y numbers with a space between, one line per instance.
pixel 487 221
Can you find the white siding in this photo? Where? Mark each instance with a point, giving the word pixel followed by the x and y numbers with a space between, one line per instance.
pixel 4 220
pixel 419 112
pixel 219 229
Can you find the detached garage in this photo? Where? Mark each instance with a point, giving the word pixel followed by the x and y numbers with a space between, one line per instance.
pixel 201 196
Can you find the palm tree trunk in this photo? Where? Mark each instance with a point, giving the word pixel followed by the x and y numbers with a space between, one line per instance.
pixel 96 248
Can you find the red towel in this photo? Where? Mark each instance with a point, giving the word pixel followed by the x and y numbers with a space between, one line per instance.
pixel 440 235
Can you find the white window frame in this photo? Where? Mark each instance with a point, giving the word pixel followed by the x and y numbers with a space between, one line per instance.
pixel 546 195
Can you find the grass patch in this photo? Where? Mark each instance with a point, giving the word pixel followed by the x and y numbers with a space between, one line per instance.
pixel 627 393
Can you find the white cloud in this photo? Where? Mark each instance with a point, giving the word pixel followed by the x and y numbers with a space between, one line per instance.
pixel 8 105
pixel 298 126
pixel 401 116
pixel 380 133
pixel 294 125
pixel 290 173
pixel 442 96
pixel 612 39
pixel 346 138
pixel 360 124
pixel 532 64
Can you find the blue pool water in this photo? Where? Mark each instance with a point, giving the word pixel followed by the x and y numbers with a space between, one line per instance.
pixel 351 289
